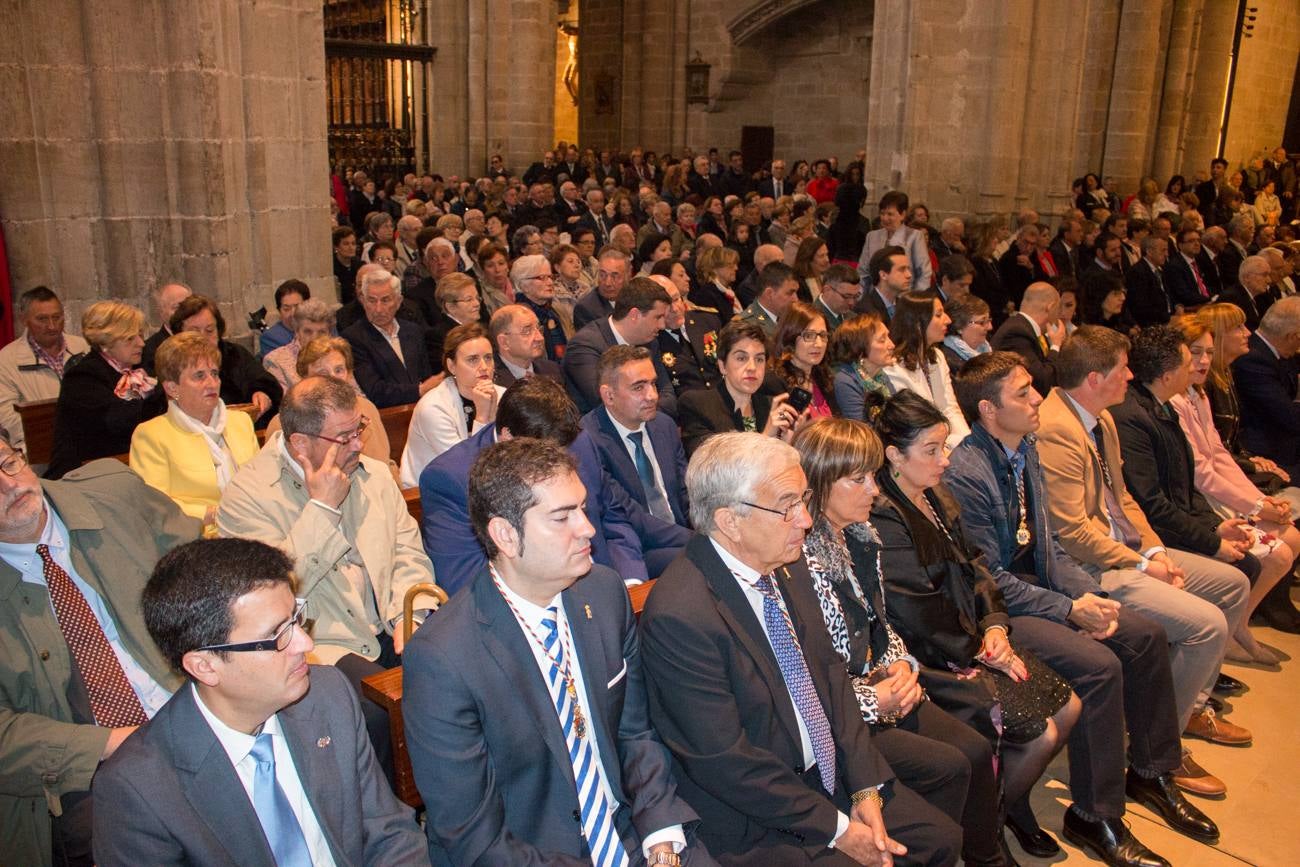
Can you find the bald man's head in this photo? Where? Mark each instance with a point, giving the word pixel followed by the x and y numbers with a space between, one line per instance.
pixel 1041 303
pixel 766 254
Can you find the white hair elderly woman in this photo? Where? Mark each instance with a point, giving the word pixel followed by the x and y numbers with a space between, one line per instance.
pixel 312 318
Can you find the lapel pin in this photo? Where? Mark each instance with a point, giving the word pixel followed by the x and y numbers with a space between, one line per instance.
pixel 587 608
pixel 323 742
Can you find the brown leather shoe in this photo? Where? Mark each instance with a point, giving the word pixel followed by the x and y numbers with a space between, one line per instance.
pixel 1208 727
pixel 1195 780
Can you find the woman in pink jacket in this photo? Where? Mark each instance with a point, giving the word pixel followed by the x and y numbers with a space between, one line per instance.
pixel 1228 489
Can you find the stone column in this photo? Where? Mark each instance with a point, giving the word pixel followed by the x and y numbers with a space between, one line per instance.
pixel 1134 93
pixel 1171 131
pixel 146 144
pixel 1209 71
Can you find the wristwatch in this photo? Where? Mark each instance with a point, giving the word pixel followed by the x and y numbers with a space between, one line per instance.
pixel 671 858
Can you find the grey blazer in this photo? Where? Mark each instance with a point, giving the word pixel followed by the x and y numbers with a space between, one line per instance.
pixel 170 795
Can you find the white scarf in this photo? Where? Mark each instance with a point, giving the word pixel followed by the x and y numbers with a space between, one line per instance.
pixel 214 437
pixel 963 349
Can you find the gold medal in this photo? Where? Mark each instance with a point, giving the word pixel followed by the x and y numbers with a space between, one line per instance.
pixel 579 721
pixel 1022 535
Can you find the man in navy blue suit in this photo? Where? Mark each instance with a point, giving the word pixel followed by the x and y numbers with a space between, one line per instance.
pixel 639 447
pixel 522 654
pixel 391 356
pixel 630 541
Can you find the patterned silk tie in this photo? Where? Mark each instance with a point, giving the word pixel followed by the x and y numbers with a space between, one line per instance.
pixel 288 844
pixel 794 668
pixel 112 700
pixel 597 817
pixel 1128 533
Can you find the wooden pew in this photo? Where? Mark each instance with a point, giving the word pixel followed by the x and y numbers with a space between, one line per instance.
pixel 38 429
pixel 397 422
pixel 385 689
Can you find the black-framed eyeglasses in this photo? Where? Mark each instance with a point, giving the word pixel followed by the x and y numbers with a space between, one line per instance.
pixel 790 512
pixel 277 642
pixel 12 464
pixel 345 438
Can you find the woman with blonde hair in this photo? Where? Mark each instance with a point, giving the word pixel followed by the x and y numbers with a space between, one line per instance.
pixel 1142 206
pixel 716 269
pixel 192 451
pixel 1221 479
pixel 106 394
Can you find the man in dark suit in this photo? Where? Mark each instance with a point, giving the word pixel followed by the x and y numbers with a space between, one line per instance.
pixel 520 346
pixel 613 270
pixel 1250 292
pixel 1148 300
pixel 570 208
pixel 775 186
pixel 1035 333
pixel 261 759
pixel 688 344
pixel 745 685
pixel 631 542
pixel 889 274
pixel 735 181
pixel 639 315
pixel 1241 234
pixel 639 448
pixel 542 172
pixel 841 289
pixel 1207 192
pixel 1065 247
pixel 391 357
pixel 595 217
pixel 1266 387
pixel 519 654
pixel 1186 281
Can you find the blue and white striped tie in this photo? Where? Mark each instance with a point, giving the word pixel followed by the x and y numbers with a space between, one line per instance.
pixel 597 817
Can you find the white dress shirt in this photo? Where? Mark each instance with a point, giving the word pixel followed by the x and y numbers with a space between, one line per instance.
pixel 238 747
pixel 23 557
pixel 623 433
pixel 393 339
pixel 747 577
pixel 532 616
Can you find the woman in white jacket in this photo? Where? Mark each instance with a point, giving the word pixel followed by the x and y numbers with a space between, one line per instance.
pixel 461 406
pixel 918 326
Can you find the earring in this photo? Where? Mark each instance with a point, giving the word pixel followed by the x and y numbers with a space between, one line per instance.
pixel 894 473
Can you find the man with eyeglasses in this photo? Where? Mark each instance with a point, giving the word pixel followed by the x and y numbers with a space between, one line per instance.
pixel 533 277
pixel 261 758
pixel 341 517
pixel 520 347
pixel 31 367
pixel 745 685
pixel 78 672
pixel 841 289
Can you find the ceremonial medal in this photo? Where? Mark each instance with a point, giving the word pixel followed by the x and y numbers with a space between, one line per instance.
pixel 1022 535
pixel 579 721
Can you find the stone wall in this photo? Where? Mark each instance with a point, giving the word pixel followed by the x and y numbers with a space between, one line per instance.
pixel 149 141
pixel 1265 76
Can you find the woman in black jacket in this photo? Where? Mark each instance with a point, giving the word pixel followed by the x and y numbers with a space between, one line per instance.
pixel 243 378
pixel 106 394
pixel 946 605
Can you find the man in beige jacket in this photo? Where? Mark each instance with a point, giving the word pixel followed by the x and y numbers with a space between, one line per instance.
pixel 31 367
pixel 341 517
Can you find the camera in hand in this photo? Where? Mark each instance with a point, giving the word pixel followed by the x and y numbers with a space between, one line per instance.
pixel 798 399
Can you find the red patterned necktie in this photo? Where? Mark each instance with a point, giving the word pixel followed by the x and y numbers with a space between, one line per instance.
pixel 112 700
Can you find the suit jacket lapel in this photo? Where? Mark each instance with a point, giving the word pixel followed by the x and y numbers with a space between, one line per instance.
pixel 618 453
pixel 509 648
pixel 211 784
pixel 308 736
pixel 740 619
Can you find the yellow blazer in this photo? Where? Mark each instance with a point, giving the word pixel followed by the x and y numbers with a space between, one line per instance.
pixel 1075 499
pixel 178 463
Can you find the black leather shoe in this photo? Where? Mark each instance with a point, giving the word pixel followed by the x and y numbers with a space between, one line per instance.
pixel 1228 685
pixel 1215 703
pixel 1164 797
pixel 1111 841
pixel 1035 841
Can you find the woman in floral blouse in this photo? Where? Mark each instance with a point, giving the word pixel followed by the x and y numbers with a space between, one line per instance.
pixel 920 741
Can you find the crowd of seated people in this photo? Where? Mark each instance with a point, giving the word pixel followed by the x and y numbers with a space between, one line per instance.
pixel 912 528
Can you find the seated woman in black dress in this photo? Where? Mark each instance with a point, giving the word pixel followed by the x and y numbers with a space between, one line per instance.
pixel 946 605
pixel 736 404
pixel 243 379
pixel 106 394
pixel 921 742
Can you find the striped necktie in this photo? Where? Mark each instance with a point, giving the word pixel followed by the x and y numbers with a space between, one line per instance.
pixel 794 668
pixel 597 815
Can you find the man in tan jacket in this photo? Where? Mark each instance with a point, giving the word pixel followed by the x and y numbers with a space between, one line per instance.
pixel 31 366
pixel 1198 600
pixel 341 517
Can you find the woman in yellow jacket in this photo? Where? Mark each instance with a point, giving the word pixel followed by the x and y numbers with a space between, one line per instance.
pixel 192 451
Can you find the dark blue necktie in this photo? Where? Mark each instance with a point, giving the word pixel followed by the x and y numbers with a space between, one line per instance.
pixel 283 832
pixel 654 495
pixel 794 668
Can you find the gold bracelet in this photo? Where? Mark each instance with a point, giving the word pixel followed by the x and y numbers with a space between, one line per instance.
pixel 872 795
